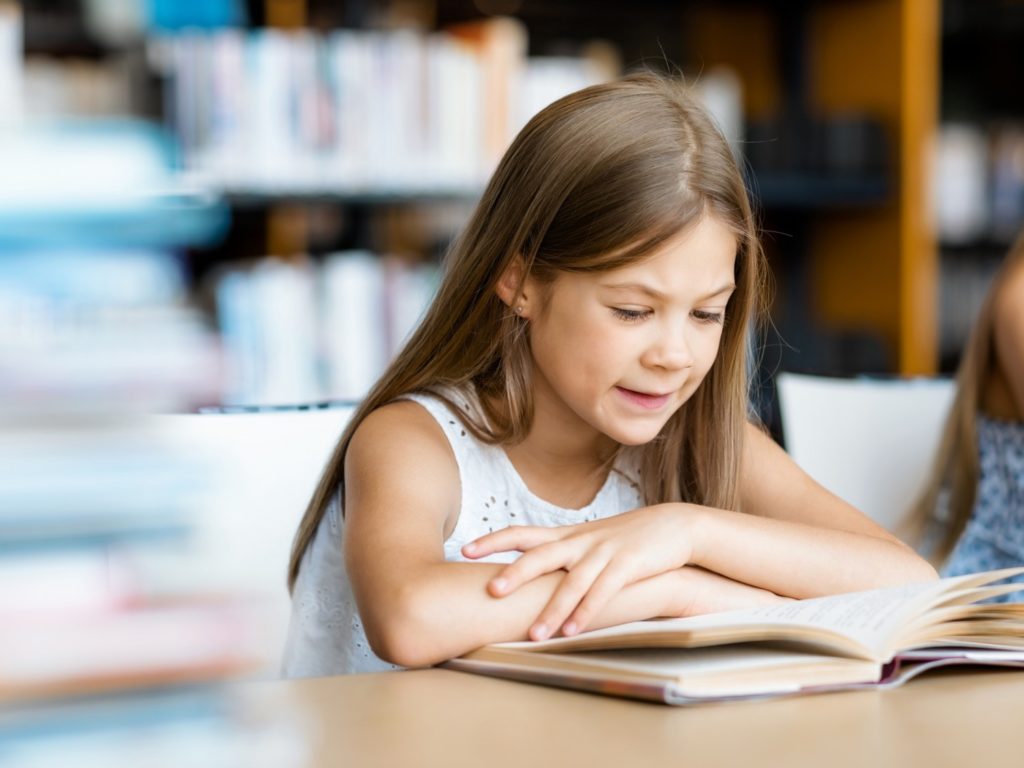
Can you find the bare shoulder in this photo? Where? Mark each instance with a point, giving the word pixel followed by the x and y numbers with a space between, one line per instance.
pixel 400 426
pixel 766 463
pixel 773 485
pixel 765 470
pixel 399 454
pixel 759 445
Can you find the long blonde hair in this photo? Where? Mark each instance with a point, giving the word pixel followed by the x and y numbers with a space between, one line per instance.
pixel 955 471
pixel 597 180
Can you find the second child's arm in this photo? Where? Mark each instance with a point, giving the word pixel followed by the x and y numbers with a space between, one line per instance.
pixel 402 500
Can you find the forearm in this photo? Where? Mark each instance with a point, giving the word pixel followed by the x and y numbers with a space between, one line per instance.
pixel 444 610
pixel 708 592
pixel 798 560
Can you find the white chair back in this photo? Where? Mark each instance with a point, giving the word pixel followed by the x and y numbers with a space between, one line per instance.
pixel 871 441
pixel 267 466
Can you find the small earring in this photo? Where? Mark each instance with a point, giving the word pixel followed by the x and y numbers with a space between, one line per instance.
pixel 519 309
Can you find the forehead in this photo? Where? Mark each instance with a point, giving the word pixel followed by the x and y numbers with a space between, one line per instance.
pixel 697 261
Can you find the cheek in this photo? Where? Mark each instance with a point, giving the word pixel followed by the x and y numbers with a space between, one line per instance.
pixel 713 346
pixel 582 346
pixel 605 350
pixel 708 351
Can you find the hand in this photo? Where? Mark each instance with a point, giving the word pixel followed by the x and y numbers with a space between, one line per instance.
pixel 601 557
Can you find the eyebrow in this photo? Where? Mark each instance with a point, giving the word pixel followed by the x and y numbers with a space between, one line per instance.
pixel 654 292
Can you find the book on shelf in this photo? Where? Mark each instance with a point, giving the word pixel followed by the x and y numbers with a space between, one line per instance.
pixel 877 638
pixel 299 332
pixel 501 45
pixel 357 112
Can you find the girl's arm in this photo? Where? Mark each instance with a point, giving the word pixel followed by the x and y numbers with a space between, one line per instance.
pixel 402 501
pixel 793 538
pixel 796 538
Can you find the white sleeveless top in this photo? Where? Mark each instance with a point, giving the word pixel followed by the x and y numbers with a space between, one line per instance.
pixel 325 634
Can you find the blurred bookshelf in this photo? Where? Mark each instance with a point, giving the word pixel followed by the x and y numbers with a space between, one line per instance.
pixel 980 163
pixel 396 130
pixel 331 128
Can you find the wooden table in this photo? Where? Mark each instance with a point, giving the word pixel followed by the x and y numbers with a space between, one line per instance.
pixel 444 718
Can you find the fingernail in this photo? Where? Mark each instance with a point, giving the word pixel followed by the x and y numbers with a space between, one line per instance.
pixel 569 628
pixel 540 632
pixel 469 548
pixel 499 585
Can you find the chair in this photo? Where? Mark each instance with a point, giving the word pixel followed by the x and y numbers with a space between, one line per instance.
pixel 265 467
pixel 871 441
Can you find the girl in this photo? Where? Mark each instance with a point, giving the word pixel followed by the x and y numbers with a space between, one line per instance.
pixel 577 392
pixel 973 509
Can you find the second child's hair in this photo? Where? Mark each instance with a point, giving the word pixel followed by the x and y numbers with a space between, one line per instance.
pixel 955 471
pixel 597 180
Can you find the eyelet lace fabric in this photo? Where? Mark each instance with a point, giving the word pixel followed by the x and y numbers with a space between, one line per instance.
pixel 325 633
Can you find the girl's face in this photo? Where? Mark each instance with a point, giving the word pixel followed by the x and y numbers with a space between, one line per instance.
pixel 618 352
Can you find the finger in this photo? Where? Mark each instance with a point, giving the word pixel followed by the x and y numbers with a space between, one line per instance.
pixel 567 596
pixel 608 584
pixel 515 537
pixel 546 558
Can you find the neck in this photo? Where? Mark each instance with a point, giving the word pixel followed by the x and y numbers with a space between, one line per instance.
pixel 563 472
pixel 561 441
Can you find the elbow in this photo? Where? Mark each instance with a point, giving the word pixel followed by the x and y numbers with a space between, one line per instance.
pixel 927 571
pixel 395 645
pixel 399 634
pixel 916 568
pixel 921 569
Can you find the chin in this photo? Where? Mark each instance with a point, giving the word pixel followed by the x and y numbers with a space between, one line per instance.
pixel 635 434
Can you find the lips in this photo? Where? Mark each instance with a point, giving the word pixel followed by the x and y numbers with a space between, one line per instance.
pixel 645 400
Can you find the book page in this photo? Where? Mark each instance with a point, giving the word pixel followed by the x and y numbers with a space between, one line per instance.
pixel 871 618
pixel 878 615
pixel 866 624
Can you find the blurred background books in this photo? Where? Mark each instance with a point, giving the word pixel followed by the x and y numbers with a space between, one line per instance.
pixel 111 649
pixel 323 128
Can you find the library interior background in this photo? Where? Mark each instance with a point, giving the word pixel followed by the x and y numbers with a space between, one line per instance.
pixel 241 208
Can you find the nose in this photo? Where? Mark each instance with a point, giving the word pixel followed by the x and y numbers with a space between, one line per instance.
pixel 670 350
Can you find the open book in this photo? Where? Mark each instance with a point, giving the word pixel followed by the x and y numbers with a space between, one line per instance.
pixel 881 637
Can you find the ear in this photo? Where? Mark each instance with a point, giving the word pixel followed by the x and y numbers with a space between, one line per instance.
pixel 510 285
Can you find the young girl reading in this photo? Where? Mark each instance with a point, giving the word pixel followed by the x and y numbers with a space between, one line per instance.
pixel 972 513
pixel 577 393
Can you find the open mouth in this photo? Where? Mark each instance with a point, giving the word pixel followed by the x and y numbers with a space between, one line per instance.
pixel 643 399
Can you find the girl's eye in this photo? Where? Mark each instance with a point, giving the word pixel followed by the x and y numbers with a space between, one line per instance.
pixel 631 315
pixel 707 317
